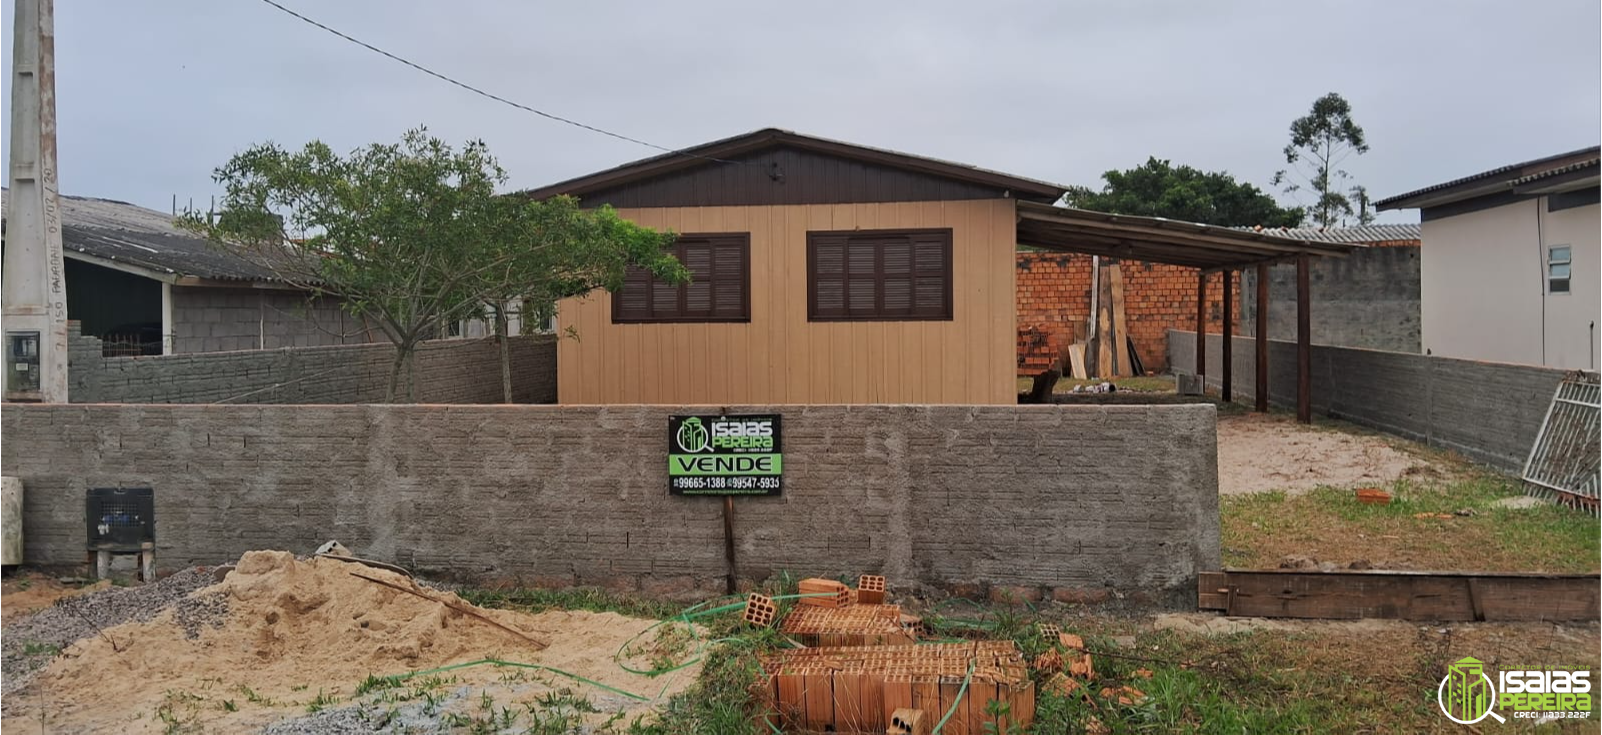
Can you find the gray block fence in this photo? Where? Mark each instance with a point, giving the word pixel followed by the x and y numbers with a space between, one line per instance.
pixel 1081 502
pixel 1487 411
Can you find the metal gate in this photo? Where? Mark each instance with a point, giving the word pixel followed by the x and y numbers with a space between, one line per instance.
pixel 1564 463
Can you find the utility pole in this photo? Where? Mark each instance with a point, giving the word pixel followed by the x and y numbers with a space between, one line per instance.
pixel 35 284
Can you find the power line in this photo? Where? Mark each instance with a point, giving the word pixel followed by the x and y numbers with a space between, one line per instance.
pixel 496 97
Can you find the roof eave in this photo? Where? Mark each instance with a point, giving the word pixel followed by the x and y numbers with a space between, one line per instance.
pixel 1019 187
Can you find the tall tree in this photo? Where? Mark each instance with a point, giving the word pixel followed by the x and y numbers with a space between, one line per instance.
pixel 1320 141
pixel 1159 189
pixel 413 236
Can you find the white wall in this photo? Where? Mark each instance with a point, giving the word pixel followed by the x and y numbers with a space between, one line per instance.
pixel 1571 318
pixel 1484 289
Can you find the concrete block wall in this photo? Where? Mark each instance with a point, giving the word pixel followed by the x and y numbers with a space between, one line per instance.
pixel 1487 411
pixel 1080 502
pixel 207 319
pixel 1369 299
pixel 447 371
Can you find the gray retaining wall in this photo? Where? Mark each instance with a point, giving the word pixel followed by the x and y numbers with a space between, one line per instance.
pixel 1487 411
pixel 1078 501
pixel 447 371
pixel 1369 299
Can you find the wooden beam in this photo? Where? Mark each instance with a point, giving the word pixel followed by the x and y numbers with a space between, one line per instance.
pixel 1179 231
pixel 1201 330
pixel 1261 381
pixel 1444 596
pixel 1304 342
pixel 1229 338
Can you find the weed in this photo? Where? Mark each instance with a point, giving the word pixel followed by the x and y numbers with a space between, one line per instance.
pixel 23 584
pixel 35 648
pixel 377 683
pixel 228 705
pixel 252 697
pixel 322 701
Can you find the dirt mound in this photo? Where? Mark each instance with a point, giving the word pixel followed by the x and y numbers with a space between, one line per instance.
pixel 283 632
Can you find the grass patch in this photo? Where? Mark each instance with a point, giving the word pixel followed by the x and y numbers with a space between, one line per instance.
pixel 1330 525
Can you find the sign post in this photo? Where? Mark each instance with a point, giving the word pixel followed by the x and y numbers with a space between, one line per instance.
pixel 728 456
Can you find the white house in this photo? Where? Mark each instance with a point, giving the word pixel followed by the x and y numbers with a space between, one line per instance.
pixel 1510 262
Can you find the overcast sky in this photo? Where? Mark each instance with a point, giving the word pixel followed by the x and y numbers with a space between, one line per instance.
pixel 153 95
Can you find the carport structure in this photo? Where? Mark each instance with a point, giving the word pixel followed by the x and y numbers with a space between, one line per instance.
pixel 1208 249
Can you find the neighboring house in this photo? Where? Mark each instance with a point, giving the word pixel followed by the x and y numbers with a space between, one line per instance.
pixel 144 286
pixel 825 272
pixel 1510 260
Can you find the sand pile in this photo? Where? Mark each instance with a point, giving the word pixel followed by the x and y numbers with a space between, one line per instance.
pixel 286 630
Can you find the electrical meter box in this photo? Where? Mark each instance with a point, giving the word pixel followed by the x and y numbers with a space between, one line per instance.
pixel 22 362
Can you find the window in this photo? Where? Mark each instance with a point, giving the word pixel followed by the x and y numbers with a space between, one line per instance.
pixel 718 291
pixel 1557 269
pixel 884 275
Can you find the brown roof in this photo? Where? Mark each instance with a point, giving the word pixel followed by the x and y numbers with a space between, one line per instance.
pixel 1160 240
pixel 723 152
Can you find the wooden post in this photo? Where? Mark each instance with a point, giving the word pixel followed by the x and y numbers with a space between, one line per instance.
pixel 728 539
pixel 1201 329
pixel 1229 338
pixel 1261 379
pixel 1304 341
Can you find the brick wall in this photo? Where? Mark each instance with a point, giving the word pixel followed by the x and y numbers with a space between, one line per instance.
pixel 447 371
pixel 209 319
pixel 1077 501
pixel 1054 295
pixel 1487 411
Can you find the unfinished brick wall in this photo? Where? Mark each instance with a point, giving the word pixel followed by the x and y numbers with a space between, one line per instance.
pixel 1054 295
pixel 447 371
pixel 1079 502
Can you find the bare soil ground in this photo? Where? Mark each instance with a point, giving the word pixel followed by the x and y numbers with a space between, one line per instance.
pixel 282 637
pixel 1265 452
pixel 30 591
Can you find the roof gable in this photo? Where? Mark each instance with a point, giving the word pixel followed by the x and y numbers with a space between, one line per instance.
pixel 779 167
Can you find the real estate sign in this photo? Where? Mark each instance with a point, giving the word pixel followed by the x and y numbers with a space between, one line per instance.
pixel 724 455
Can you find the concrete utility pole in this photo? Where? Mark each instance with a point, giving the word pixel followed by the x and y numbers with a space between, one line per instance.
pixel 35 284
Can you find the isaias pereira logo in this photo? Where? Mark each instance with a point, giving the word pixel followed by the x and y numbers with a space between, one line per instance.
pixel 691 436
pixel 1466 694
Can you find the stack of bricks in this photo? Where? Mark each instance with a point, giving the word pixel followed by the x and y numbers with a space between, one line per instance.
pixel 1053 292
pixel 857 625
pixel 858 689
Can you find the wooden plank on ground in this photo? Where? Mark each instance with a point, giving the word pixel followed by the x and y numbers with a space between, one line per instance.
pixel 1115 275
pixel 1444 596
pixel 1076 361
pixel 1104 335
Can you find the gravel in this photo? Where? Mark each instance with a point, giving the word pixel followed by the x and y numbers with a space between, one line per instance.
pixel 28 644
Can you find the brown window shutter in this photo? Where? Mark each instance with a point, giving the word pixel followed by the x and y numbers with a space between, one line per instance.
pixel 879 275
pixel 718 291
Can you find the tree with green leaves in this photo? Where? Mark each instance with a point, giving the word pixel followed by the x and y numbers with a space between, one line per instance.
pixel 412 236
pixel 1320 141
pixel 1160 189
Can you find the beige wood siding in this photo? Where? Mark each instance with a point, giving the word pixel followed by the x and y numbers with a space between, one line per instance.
pixel 780 357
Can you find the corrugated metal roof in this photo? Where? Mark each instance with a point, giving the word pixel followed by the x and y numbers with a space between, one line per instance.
pixel 107 229
pixel 1559 171
pixel 1505 172
pixel 1358 234
pixel 1161 240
